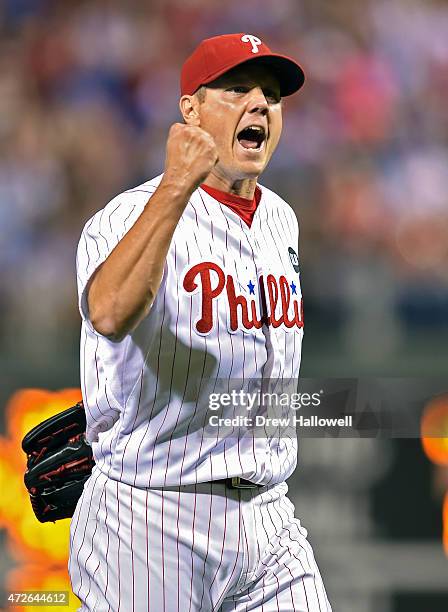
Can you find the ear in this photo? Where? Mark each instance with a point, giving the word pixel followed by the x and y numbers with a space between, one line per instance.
pixel 189 107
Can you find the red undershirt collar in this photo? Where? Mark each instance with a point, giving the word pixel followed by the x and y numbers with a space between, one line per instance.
pixel 243 207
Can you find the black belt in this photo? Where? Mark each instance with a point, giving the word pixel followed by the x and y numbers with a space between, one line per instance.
pixel 239 483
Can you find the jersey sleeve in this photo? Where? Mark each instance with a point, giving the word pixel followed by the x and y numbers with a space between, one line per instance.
pixel 100 236
pixel 291 219
pixel 294 226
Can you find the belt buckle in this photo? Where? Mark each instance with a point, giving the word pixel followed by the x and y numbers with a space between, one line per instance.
pixel 237 484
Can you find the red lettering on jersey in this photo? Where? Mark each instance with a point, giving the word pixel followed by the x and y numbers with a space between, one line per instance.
pixel 298 316
pixel 285 293
pixel 234 302
pixel 240 300
pixel 271 282
pixel 239 304
pixel 205 323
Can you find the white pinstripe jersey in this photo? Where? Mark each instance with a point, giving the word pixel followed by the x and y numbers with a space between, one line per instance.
pixel 145 418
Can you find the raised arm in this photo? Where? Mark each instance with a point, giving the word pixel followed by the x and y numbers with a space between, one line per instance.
pixel 123 288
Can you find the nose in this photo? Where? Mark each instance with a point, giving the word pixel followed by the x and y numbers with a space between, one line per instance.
pixel 257 102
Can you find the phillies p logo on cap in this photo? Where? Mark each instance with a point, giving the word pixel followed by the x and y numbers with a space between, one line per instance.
pixel 253 40
pixel 215 56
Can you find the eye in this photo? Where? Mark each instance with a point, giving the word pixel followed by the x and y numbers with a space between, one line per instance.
pixel 239 88
pixel 272 97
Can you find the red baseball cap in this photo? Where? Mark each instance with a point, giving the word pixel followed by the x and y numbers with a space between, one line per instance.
pixel 215 56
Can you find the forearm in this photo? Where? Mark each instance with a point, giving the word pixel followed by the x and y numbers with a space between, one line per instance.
pixel 124 287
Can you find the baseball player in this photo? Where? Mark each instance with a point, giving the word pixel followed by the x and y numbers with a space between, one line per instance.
pixel 190 278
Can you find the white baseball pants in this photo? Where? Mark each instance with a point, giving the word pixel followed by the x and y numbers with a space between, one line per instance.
pixel 198 548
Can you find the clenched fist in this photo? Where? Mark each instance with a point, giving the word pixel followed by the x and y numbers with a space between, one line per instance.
pixel 190 155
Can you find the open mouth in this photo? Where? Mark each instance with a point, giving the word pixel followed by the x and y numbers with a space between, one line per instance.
pixel 252 137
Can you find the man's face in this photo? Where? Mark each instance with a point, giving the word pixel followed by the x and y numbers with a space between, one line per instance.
pixel 246 96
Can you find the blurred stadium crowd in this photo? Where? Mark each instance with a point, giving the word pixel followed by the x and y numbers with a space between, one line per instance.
pixel 88 90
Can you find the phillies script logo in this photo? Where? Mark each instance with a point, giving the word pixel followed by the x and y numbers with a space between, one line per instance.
pixel 278 292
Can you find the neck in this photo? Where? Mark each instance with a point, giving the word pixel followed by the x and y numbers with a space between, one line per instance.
pixel 244 188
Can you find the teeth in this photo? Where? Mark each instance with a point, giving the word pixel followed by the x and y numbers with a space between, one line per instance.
pixel 255 133
pixel 256 129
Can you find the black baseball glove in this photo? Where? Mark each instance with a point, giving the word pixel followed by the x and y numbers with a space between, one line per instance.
pixel 59 463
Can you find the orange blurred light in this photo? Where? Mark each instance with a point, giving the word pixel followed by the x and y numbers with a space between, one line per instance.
pixel 434 430
pixel 41 550
pixel 434 434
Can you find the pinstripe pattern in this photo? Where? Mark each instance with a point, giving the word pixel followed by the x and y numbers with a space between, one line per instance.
pixel 144 421
pixel 215 550
pixel 150 532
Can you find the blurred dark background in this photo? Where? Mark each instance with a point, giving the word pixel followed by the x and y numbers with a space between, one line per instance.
pixel 88 90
